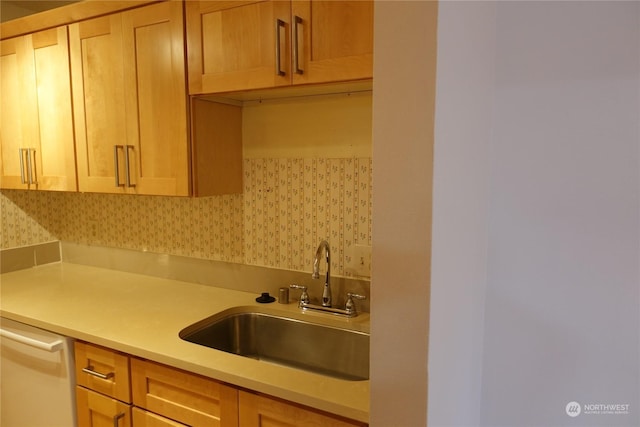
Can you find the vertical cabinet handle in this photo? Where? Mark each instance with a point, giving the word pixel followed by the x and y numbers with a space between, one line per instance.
pixel 30 166
pixel 296 63
pixel 21 151
pixel 127 176
pixel 115 161
pixel 279 24
pixel 116 418
pixel 28 177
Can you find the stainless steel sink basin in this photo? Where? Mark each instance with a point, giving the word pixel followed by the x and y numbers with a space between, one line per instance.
pixel 327 350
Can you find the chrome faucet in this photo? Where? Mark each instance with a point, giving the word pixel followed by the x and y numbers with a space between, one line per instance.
pixel 326 292
pixel 305 304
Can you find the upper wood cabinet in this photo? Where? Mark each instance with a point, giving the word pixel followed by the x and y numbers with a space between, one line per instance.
pixel 130 102
pixel 333 40
pixel 231 45
pixel 243 45
pixel 36 131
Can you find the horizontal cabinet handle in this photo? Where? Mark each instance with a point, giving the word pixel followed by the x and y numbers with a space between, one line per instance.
pixel 89 370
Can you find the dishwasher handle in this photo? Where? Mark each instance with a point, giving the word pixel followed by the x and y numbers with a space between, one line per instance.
pixel 50 347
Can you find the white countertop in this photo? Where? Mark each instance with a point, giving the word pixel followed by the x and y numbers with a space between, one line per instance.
pixel 142 315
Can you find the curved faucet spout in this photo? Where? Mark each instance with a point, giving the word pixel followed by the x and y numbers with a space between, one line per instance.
pixel 326 293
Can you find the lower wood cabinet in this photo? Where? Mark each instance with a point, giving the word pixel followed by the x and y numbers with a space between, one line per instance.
pixel 183 396
pixel 103 370
pixel 142 418
pixel 118 390
pixel 257 410
pixel 97 410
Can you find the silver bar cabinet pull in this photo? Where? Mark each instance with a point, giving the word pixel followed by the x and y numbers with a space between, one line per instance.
pixel 21 155
pixel 116 418
pixel 296 63
pixel 30 168
pixel 115 161
pixel 127 176
pixel 89 370
pixel 279 24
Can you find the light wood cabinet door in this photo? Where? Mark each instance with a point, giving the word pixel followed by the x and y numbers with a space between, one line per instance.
pixel 262 411
pixel 96 410
pixel 182 396
pixel 130 102
pixel 332 40
pixel 98 94
pixel 36 132
pixel 13 105
pixel 155 100
pixel 237 45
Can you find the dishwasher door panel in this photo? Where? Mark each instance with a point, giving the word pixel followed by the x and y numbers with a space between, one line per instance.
pixel 36 377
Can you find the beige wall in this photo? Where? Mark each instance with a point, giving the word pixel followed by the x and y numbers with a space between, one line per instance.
pixel 403 129
pixel 294 195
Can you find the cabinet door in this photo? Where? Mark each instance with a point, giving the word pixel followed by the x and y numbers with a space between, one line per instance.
pixel 155 100
pixel 14 133
pixel 98 95
pixel 332 40
pixel 238 45
pixel 182 396
pixel 262 411
pixel 54 163
pixel 96 410
pixel 36 125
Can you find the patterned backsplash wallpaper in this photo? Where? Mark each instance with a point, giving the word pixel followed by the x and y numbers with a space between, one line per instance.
pixel 287 207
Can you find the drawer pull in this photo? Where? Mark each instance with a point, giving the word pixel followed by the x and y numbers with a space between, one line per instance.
pixel 89 370
pixel 116 418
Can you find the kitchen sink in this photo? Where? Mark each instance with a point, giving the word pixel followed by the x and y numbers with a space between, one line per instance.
pixel 327 350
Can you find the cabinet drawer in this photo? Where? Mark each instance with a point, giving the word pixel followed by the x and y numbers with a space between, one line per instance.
pixel 103 370
pixel 94 409
pixel 182 396
pixel 142 418
pixel 263 411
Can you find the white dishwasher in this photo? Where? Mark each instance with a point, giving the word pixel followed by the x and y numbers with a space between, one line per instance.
pixel 36 377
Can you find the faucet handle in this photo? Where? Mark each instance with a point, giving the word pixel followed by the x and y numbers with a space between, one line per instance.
pixel 304 296
pixel 350 306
